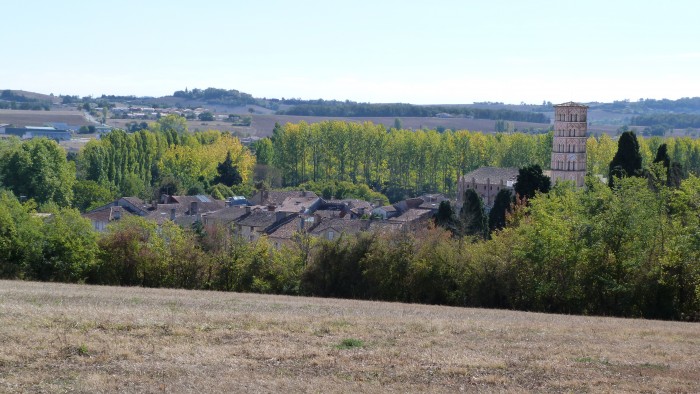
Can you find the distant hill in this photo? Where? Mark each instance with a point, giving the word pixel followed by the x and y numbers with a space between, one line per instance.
pixel 23 95
pixel 607 116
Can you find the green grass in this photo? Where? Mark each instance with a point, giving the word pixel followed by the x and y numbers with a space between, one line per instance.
pixel 350 343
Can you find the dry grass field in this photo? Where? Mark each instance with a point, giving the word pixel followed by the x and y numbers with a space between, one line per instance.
pixel 78 338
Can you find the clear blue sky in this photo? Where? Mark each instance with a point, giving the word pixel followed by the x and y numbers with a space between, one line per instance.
pixel 378 51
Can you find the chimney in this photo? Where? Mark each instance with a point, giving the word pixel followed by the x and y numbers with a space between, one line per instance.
pixel 163 198
pixel 301 223
pixel 303 193
pixel 271 208
pixel 154 204
pixel 172 214
pixel 116 213
pixel 194 208
pixel 279 215
pixel 247 209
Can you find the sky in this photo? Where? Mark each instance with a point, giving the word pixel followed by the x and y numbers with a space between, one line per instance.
pixel 420 52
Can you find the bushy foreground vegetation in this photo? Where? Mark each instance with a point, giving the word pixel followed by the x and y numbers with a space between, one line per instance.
pixel 627 251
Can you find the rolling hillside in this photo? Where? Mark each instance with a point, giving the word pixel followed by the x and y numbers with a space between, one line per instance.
pixel 79 338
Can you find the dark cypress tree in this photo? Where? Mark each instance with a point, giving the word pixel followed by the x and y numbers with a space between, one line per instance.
pixel 497 216
pixel 472 219
pixel 675 175
pixel 228 173
pixel 674 171
pixel 446 217
pixel 627 160
pixel 662 156
pixel 531 179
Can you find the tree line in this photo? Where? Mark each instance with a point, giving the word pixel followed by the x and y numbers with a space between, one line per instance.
pixel 397 163
pixel 353 109
pixel 643 106
pixel 403 163
pixel 165 158
pixel 673 120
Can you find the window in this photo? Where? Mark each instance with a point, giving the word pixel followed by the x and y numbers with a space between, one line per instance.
pixel 331 235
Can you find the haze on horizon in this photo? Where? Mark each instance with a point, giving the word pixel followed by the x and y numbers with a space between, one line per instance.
pixel 445 52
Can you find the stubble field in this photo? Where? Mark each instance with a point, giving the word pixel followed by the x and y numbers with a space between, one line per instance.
pixel 78 338
pixel 21 118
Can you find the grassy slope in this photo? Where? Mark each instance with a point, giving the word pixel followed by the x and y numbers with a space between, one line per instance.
pixel 102 339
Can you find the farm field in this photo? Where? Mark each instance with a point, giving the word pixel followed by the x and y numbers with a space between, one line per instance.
pixel 262 125
pixel 20 118
pixel 79 338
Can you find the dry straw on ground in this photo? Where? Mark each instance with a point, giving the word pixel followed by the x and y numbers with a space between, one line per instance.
pixel 73 338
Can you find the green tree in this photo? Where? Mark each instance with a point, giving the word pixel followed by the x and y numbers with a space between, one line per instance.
pixel 175 123
pixel 38 169
pixel 69 248
pixel 531 180
pixel 90 194
pixel 21 237
pixel 473 221
pixel 264 151
pixel 627 161
pixel 206 116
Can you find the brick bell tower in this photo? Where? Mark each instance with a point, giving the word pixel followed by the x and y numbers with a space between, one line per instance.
pixel 569 144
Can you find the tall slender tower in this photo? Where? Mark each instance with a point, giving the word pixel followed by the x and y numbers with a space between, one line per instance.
pixel 569 145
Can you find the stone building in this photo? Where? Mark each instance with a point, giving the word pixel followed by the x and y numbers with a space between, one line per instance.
pixel 487 182
pixel 569 144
